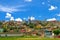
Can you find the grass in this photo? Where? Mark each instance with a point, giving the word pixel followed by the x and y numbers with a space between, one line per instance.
pixel 27 38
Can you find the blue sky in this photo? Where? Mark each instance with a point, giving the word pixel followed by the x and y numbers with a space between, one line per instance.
pixel 34 9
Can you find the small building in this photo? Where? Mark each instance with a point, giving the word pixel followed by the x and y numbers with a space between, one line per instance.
pixel 48 33
pixel 1 30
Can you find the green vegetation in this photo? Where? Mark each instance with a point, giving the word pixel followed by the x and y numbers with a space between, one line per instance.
pixel 24 38
pixel 56 32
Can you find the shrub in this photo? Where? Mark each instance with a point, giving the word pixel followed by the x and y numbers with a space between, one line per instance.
pixel 56 32
pixel 5 30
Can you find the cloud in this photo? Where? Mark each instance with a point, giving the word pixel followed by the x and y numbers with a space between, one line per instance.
pixel 31 18
pixel 52 7
pixel 8 15
pixel 10 9
pixel 18 19
pixel 12 18
pixel 28 0
pixel 58 14
pixel 52 19
pixel 7 9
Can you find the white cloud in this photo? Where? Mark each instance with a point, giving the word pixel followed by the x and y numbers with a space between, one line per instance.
pixel 18 19
pixel 8 15
pixel 52 19
pixel 7 9
pixel 28 0
pixel 58 14
pixel 11 9
pixel 31 18
pixel 12 18
pixel 52 7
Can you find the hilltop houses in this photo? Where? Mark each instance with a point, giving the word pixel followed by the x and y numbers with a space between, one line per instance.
pixel 30 27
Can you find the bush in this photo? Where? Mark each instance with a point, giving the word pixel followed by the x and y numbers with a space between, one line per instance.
pixel 11 28
pixel 5 30
pixel 56 32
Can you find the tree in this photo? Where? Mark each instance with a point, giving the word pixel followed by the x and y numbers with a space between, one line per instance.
pixel 31 25
pixel 4 30
pixel 56 32
pixel 1 23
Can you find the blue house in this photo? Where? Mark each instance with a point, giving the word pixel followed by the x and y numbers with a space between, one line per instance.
pixel 48 33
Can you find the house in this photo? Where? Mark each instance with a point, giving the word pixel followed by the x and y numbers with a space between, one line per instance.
pixel 48 33
pixel 1 30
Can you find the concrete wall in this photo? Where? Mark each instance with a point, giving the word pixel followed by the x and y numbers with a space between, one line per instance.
pixel 11 34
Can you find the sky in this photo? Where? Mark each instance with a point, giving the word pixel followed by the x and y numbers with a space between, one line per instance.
pixel 19 10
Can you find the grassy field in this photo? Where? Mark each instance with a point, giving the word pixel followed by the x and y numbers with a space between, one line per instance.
pixel 25 38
